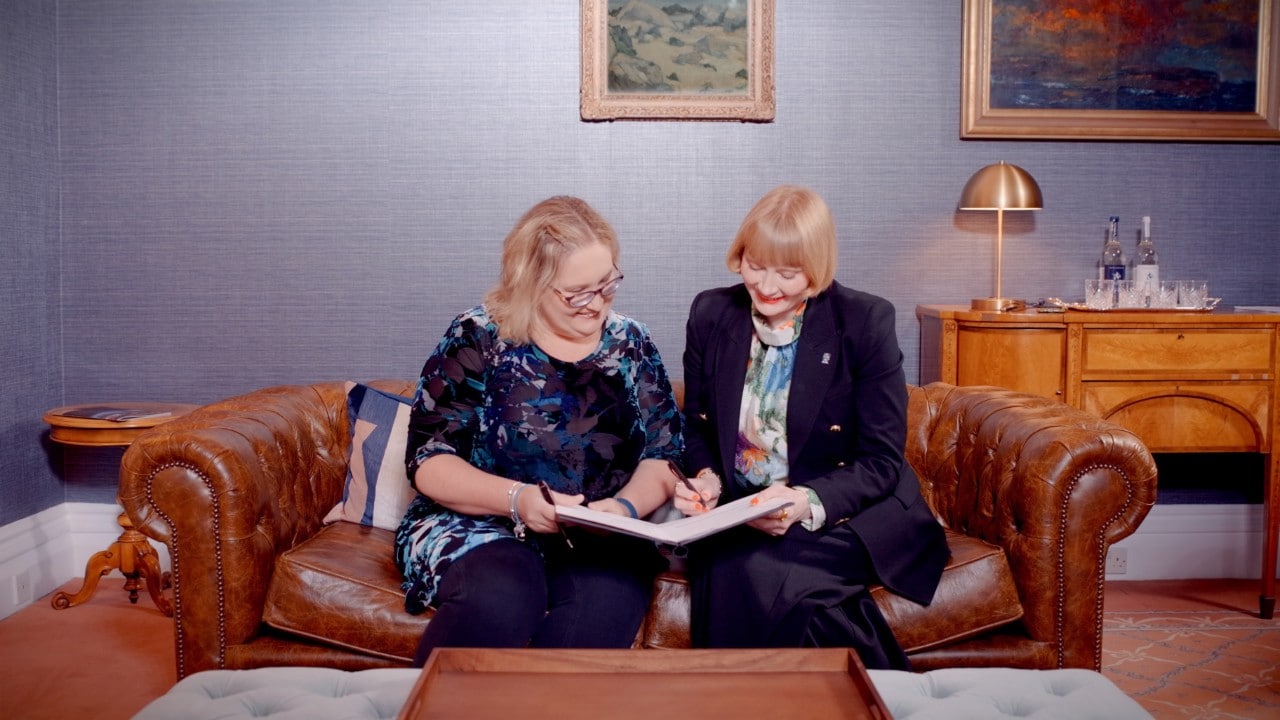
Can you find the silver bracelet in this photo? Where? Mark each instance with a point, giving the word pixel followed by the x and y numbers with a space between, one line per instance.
pixel 513 500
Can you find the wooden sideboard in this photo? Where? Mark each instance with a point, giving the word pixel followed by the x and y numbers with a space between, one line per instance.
pixel 1182 381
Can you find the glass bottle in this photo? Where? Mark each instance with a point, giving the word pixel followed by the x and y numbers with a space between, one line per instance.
pixel 1146 263
pixel 1113 265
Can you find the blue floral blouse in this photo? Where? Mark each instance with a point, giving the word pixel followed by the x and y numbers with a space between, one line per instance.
pixel 513 411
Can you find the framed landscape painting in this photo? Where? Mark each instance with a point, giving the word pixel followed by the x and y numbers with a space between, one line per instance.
pixel 1192 70
pixel 677 60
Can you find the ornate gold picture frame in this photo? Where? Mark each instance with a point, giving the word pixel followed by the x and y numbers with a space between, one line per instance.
pixel 677 60
pixel 1140 70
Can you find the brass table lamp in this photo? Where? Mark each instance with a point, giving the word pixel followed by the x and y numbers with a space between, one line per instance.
pixel 1000 187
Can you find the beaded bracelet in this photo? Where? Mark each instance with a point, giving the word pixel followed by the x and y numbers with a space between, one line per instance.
pixel 631 509
pixel 513 499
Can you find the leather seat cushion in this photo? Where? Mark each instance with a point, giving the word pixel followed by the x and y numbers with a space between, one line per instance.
pixel 976 594
pixel 342 587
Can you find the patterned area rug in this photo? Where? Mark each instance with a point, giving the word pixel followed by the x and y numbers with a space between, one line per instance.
pixel 1195 664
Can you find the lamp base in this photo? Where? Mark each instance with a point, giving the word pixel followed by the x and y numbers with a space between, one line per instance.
pixel 997 304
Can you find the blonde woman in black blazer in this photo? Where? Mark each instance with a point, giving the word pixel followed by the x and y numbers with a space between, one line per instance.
pixel 794 387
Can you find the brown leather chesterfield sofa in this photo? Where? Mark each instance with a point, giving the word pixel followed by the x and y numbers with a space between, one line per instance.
pixel 1031 491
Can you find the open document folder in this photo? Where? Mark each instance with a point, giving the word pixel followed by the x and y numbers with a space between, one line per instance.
pixel 676 532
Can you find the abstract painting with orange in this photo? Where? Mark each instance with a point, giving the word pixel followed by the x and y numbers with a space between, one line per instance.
pixel 1173 55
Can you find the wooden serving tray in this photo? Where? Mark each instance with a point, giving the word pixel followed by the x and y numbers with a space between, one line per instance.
pixel 497 684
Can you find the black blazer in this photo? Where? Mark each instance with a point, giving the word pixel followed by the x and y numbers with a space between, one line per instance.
pixel 846 422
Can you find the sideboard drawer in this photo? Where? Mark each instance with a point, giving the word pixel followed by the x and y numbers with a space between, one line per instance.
pixel 1238 353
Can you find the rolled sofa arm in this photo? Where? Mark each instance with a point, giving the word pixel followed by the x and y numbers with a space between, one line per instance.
pixel 227 488
pixel 1053 485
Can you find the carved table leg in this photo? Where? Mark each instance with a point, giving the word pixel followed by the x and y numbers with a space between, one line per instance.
pixel 134 557
pixel 148 566
pixel 99 564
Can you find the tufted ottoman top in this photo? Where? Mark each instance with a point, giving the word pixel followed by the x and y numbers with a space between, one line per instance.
pixel 297 693
pixel 994 693
pixel 285 693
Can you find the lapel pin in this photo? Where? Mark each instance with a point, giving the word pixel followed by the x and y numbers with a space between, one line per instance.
pixel 826 358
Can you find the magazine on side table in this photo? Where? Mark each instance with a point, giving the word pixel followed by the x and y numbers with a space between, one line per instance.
pixel 113 413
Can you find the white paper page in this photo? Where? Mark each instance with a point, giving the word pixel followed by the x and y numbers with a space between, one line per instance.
pixel 676 532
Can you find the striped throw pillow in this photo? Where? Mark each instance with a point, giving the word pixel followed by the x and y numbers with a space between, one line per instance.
pixel 377 491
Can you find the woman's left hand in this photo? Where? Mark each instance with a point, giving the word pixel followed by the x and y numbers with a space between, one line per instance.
pixel 777 523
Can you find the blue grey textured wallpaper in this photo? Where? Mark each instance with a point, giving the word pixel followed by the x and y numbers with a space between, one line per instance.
pixel 273 192
pixel 30 251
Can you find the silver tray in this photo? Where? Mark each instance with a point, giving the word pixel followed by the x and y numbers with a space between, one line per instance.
pixel 1055 302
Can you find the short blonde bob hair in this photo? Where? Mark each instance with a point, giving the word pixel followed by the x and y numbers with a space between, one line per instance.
pixel 790 226
pixel 533 253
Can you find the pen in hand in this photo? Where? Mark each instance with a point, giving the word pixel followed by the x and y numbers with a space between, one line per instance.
pixel 546 495
pixel 675 470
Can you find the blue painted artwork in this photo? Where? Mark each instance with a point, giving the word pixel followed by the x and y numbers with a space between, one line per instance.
pixel 1149 55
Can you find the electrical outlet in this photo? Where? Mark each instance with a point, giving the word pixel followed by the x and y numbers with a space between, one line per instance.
pixel 1117 561
pixel 22 592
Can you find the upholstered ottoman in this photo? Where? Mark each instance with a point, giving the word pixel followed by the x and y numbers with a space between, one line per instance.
pixel 294 693
pixel 986 693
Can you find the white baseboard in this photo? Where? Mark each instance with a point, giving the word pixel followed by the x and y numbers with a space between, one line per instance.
pixel 41 552
pixel 1178 542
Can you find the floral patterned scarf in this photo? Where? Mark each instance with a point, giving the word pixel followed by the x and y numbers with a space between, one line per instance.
pixel 761 455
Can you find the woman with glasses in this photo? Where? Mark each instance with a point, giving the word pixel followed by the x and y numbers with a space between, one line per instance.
pixel 794 387
pixel 540 396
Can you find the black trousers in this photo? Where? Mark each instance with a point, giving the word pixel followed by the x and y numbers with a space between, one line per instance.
pixel 800 590
pixel 505 594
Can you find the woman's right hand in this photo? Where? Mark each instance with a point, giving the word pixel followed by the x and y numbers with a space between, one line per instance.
pixel 540 515
pixel 708 487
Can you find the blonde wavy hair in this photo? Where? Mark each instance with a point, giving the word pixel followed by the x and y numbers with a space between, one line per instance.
pixel 791 226
pixel 532 255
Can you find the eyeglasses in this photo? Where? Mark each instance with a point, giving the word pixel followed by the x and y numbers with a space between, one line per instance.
pixel 584 298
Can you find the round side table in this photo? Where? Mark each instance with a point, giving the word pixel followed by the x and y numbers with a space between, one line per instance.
pixel 116 425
